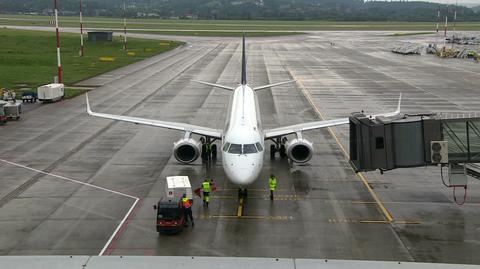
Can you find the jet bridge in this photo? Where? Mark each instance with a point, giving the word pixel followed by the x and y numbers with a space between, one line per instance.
pixel 414 140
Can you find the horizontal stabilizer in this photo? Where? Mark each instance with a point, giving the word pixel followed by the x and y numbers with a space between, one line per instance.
pixel 214 85
pixel 272 85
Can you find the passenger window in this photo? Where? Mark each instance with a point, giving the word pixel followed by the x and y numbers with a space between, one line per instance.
pixel 235 148
pixel 249 148
pixel 225 147
pixel 259 146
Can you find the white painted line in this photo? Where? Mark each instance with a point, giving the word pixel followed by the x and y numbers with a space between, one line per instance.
pixel 89 185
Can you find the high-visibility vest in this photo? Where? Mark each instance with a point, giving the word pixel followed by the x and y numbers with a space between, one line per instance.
pixel 273 183
pixel 186 203
pixel 206 186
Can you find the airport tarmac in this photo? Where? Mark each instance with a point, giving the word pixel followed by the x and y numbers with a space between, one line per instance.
pixel 322 209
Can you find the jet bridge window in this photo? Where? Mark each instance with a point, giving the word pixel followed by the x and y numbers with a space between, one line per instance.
pixel 235 148
pixel 249 148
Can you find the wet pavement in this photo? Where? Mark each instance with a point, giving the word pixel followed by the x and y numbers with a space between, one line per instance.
pixel 321 209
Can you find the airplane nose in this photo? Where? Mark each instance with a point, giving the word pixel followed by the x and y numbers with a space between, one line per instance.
pixel 242 176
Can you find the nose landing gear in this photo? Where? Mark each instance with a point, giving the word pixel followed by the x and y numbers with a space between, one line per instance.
pixel 242 193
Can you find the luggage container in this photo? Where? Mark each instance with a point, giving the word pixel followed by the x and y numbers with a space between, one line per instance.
pixel 13 110
pixel 178 185
pixel 50 92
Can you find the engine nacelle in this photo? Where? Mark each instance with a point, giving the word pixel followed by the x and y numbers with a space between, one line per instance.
pixel 299 150
pixel 186 150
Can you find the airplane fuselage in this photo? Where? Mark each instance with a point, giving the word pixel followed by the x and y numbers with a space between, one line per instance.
pixel 243 143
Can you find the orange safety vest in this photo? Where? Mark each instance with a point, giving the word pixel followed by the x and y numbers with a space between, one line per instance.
pixel 186 203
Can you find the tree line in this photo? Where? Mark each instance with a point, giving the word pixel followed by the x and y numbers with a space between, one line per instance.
pixel 333 10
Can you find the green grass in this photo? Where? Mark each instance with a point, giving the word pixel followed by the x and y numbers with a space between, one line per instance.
pixel 28 58
pixel 227 25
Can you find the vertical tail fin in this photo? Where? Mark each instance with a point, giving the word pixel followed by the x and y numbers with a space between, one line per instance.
pixel 244 62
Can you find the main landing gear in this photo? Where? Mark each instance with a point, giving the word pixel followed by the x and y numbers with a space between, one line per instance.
pixel 279 146
pixel 242 193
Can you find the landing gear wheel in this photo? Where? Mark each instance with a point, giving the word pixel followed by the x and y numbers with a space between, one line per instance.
pixel 273 149
pixel 283 151
pixel 242 193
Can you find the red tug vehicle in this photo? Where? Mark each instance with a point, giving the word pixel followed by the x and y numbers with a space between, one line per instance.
pixel 170 211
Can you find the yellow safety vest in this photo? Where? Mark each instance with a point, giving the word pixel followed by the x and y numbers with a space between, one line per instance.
pixel 206 186
pixel 186 203
pixel 273 183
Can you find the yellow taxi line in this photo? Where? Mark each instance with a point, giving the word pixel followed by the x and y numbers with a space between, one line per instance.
pixel 384 210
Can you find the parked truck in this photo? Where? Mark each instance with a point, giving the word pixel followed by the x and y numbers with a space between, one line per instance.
pixel 51 92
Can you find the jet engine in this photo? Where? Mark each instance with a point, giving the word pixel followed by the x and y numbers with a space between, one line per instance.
pixel 186 150
pixel 299 150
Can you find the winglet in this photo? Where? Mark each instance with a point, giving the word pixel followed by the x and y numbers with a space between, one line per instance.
pixel 390 114
pixel 244 62
pixel 399 104
pixel 89 111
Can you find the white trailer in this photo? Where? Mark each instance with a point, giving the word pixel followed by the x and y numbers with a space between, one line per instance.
pixel 51 92
pixel 177 186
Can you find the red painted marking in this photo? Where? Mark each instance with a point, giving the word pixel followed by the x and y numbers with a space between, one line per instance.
pixel 113 244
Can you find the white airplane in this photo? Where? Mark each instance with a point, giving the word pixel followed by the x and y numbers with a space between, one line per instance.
pixel 243 139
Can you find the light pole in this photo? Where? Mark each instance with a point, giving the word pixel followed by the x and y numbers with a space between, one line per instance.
pixel 124 26
pixel 81 29
pixel 59 63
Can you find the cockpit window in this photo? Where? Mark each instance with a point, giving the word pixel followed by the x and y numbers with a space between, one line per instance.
pixel 225 147
pixel 235 148
pixel 249 148
pixel 259 146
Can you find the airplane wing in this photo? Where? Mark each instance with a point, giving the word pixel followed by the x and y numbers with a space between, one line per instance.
pixel 215 133
pixel 291 129
pixel 272 85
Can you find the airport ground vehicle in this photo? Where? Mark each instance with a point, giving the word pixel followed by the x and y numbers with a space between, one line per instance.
pixel 13 110
pixel 29 97
pixel 170 216
pixel 170 212
pixel 51 92
pixel 3 118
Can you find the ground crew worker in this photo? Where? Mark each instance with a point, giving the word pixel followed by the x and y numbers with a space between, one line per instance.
pixel 207 187
pixel 187 210
pixel 272 183
pixel 208 150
